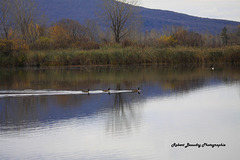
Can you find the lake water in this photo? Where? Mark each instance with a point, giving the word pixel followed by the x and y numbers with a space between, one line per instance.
pixel 44 114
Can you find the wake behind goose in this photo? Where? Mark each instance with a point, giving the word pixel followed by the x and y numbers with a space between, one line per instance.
pixel 29 92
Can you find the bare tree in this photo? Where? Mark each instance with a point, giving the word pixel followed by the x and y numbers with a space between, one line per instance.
pixel 25 17
pixel 5 16
pixel 74 29
pixel 120 16
pixel 93 30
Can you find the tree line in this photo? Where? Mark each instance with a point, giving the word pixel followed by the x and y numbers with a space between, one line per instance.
pixel 23 27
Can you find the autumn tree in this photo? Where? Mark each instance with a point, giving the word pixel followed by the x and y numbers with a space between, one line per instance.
pixel 120 16
pixel 180 35
pixel 167 41
pixel 187 38
pixel 59 36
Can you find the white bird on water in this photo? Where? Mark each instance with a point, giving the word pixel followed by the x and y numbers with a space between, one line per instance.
pixel 212 68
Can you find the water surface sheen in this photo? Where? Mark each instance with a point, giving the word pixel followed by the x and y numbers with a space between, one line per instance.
pixel 45 114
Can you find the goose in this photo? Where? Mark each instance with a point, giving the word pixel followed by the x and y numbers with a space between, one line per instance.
pixel 86 91
pixel 108 90
pixel 136 90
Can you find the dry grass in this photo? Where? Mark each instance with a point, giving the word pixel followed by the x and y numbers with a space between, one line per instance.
pixel 115 54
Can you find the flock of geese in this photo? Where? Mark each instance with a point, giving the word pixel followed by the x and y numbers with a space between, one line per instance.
pixel 108 91
pixel 133 90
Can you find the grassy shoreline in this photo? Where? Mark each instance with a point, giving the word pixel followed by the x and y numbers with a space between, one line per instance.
pixel 118 55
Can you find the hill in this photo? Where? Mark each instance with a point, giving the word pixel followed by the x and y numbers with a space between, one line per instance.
pixel 81 10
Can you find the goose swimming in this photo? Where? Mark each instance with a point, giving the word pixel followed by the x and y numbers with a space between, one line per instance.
pixel 136 90
pixel 107 90
pixel 86 91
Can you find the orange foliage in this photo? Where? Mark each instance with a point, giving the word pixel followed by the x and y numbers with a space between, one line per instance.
pixel 59 36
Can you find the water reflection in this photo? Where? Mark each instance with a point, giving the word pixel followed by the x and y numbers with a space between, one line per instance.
pixel 154 81
pixel 120 125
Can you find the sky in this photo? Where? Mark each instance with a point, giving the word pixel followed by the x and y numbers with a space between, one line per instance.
pixel 219 9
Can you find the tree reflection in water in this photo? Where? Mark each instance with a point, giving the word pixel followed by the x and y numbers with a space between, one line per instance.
pixel 123 116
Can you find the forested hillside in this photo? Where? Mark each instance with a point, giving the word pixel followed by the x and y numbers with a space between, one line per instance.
pixel 81 10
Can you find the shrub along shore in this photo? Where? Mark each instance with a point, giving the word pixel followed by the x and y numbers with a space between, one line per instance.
pixel 116 54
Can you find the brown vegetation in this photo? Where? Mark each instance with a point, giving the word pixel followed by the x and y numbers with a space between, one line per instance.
pixel 26 40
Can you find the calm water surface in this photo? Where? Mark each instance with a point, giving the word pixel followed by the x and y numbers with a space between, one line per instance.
pixel 45 115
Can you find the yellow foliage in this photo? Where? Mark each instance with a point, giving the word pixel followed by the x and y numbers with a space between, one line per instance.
pixel 6 46
pixel 20 45
pixel 59 36
pixel 9 46
pixel 37 27
pixel 33 32
pixel 42 43
pixel 12 33
pixel 167 41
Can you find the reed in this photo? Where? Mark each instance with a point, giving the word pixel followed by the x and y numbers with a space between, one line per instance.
pixel 117 55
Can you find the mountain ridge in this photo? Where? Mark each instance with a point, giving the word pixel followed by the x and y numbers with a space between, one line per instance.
pixel 81 10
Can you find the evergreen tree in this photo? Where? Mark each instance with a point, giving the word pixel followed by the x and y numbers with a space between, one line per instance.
pixel 224 36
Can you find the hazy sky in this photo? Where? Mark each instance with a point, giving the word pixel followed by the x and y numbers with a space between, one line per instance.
pixel 220 9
